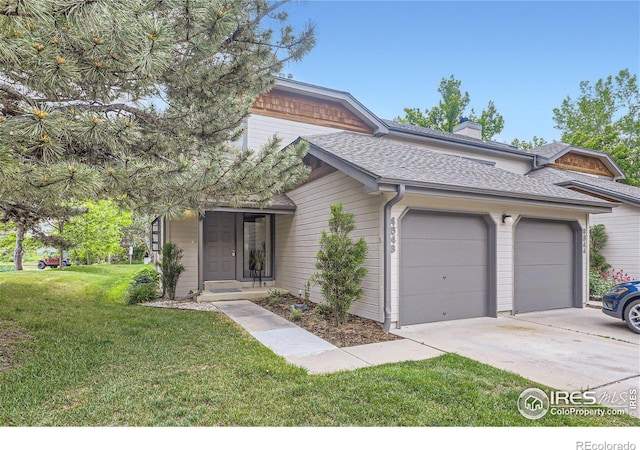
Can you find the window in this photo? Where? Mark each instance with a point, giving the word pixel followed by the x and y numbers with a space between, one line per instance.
pixel 257 242
pixel 155 235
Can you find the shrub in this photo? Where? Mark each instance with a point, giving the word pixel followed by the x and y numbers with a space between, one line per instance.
pixel 146 276
pixel 617 277
pixel 295 314
pixel 601 282
pixel 598 239
pixel 598 284
pixel 171 268
pixel 275 297
pixel 339 262
pixel 323 309
pixel 143 287
pixel 141 293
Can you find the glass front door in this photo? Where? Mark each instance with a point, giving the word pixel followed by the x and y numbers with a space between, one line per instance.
pixel 258 246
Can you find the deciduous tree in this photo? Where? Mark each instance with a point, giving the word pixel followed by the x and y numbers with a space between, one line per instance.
pixel 606 117
pixel 533 143
pixel 97 234
pixel 451 108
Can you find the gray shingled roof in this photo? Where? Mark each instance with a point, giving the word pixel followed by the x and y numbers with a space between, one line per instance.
pixel 548 150
pixel 617 191
pixel 452 137
pixel 392 162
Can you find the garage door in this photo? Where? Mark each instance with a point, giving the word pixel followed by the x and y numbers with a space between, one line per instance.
pixel 544 265
pixel 443 267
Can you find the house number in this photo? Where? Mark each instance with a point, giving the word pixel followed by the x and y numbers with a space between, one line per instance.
pixel 392 231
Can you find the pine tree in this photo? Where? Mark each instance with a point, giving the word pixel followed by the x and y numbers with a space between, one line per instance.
pixel 139 102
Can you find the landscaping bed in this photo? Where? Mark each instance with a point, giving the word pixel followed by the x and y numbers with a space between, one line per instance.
pixel 357 330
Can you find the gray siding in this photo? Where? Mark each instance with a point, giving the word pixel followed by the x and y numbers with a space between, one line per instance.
pixel 298 236
pixel 262 128
pixel 623 249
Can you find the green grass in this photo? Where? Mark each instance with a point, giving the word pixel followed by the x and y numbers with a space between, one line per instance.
pixel 92 360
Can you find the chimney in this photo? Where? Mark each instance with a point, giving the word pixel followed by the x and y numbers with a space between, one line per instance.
pixel 467 128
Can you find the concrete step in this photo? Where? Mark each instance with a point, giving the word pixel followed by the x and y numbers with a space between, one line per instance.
pixel 219 285
pixel 243 294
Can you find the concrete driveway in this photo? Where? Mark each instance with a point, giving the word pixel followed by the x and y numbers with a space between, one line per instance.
pixel 568 349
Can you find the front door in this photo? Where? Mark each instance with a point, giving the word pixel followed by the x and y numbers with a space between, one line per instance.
pixel 219 246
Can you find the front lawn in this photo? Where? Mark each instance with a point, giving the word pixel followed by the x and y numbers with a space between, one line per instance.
pixel 83 357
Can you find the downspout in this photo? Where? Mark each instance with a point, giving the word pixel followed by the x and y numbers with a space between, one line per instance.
pixel 387 256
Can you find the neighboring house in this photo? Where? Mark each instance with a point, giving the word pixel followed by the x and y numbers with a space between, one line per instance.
pixel 596 174
pixel 454 227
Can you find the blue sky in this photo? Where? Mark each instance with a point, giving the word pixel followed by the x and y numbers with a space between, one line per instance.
pixel 525 56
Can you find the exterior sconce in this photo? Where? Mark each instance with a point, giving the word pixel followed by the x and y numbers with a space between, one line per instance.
pixel 507 219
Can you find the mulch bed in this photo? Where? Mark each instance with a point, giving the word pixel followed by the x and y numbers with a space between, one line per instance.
pixel 357 330
pixel 10 336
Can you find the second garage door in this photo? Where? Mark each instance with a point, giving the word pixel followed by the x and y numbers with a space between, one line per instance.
pixel 444 267
pixel 544 265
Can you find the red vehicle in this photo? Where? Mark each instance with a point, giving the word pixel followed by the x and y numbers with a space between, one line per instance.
pixel 52 262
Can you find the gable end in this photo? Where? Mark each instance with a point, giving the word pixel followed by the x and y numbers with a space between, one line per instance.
pixel 318 168
pixel 300 108
pixel 582 163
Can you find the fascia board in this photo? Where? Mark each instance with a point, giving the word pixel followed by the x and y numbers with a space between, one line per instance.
pixel 601 191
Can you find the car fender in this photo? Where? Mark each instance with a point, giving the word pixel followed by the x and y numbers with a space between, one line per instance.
pixel 624 301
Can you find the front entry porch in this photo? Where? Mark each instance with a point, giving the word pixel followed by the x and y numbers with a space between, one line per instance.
pixel 236 254
pixel 237 246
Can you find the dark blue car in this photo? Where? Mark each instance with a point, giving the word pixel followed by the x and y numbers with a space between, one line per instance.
pixel 623 302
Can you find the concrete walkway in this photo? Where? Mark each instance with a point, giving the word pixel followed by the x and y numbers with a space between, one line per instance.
pixel 301 348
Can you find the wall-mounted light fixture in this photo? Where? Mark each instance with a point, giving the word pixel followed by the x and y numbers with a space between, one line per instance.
pixel 507 219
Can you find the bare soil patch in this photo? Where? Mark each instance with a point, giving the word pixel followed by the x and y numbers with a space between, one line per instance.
pixel 10 337
pixel 357 330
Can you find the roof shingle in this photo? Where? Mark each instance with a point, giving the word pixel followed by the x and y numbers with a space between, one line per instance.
pixel 452 137
pixel 618 191
pixel 392 161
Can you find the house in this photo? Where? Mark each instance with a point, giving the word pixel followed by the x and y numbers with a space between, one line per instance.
pixel 596 174
pixel 455 228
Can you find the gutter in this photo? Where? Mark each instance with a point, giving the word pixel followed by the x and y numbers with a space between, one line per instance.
pixel 387 256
